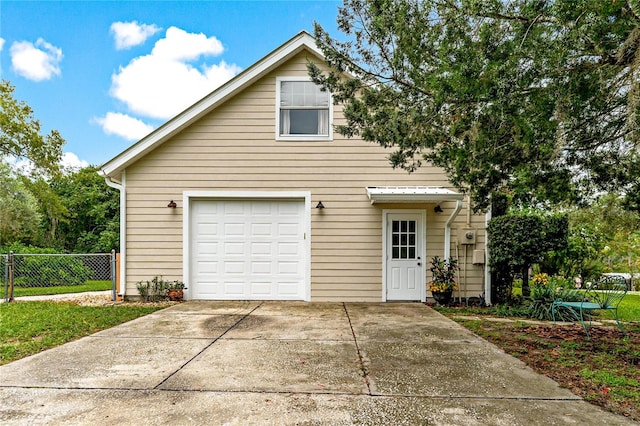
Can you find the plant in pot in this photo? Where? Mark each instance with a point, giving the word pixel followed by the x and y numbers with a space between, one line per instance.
pixel 175 290
pixel 444 279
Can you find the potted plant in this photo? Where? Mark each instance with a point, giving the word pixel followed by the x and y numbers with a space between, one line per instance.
pixel 444 279
pixel 175 290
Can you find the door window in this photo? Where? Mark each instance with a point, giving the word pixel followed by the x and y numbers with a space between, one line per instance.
pixel 404 238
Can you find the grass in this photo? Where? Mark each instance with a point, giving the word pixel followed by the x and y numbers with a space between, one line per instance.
pixel 605 370
pixel 629 309
pixel 27 328
pixel 98 285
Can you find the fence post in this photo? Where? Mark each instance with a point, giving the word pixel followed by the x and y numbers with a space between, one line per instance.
pixel 113 275
pixel 5 278
pixel 10 276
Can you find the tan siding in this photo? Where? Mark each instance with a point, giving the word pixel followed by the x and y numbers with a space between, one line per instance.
pixel 234 148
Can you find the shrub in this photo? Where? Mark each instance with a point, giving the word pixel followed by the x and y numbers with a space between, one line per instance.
pixel 47 271
pixel 517 241
pixel 156 289
pixel 543 296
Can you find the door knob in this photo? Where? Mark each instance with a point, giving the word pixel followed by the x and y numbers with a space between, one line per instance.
pixel 419 264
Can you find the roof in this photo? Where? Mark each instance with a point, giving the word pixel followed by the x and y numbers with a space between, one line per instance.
pixel 302 41
pixel 411 194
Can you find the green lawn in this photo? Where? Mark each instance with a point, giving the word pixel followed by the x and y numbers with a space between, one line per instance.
pixel 604 370
pixel 629 309
pixel 37 291
pixel 27 328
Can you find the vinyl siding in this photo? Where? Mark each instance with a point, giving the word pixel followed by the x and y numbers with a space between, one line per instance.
pixel 234 149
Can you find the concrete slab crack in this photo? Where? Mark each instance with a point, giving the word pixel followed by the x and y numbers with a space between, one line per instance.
pixel 361 358
pixel 208 346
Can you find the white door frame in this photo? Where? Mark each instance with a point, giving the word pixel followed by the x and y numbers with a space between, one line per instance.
pixel 189 196
pixel 423 248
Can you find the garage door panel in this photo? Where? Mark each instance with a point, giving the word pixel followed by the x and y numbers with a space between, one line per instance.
pixel 262 268
pixel 208 229
pixel 234 229
pixel 231 249
pixel 261 288
pixel 248 249
pixel 288 268
pixel 288 230
pixel 261 229
pixel 261 209
pixel 261 249
pixel 288 209
pixel 234 289
pixel 205 248
pixel 288 288
pixel 289 249
pixel 207 269
pixel 231 208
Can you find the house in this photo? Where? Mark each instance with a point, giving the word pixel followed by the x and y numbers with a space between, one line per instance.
pixel 249 194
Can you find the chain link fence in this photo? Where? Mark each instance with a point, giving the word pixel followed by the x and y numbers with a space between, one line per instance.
pixel 46 274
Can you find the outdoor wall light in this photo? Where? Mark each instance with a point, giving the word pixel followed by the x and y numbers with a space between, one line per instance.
pixel 438 209
pixel 319 205
pixel 172 204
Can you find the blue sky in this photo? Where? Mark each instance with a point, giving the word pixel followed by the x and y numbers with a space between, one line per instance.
pixel 104 73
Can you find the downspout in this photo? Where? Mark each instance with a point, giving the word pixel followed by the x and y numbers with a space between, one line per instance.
pixel 123 218
pixel 487 270
pixel 447 230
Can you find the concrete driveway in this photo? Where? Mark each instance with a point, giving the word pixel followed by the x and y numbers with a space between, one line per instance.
pixel 276 363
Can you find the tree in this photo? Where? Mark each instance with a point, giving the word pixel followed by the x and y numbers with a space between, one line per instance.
pixel 538 96
pixel 606 238
pixel 19 215
pixel 53 211
pixel 20 134
pixel 92 223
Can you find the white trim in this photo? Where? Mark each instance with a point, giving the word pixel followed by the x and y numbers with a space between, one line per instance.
pixel 302 40
pixel 411 194
pixel 279 137
pixel 189 196
pixel 423 249
pixel 121 187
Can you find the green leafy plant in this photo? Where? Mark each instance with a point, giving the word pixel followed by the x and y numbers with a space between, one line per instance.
pixel 157 288
pixel 544 291
pixel 444 274
pixel 516 241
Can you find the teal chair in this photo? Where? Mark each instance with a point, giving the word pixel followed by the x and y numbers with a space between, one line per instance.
pixel 605 295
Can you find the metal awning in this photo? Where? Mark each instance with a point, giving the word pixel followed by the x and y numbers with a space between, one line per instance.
pixel 411 194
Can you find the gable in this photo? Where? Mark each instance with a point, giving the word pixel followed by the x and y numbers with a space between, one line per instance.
pixel 302 42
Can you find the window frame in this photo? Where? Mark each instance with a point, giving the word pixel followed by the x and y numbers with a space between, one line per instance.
pixel 297 137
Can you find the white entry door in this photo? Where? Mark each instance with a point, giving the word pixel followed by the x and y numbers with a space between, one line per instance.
pixel 405 270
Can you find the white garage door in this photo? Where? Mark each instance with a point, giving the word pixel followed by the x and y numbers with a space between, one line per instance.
pixel 247 250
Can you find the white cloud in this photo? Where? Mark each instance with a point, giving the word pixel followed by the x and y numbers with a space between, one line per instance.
pixel 1 43
pixel 37 62
pixel 179 45
pixel 125 126
pixel 71 162
pixel 165 82
pixel 129 34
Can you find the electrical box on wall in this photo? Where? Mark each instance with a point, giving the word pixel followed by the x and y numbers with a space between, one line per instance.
pixel 478 257
pixel 466 236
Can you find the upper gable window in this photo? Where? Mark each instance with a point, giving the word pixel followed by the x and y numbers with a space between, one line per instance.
pixel 304 110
